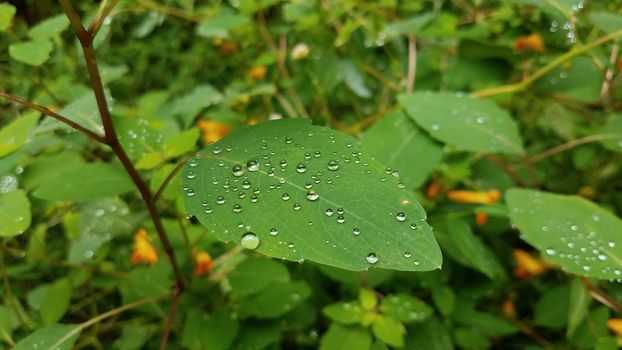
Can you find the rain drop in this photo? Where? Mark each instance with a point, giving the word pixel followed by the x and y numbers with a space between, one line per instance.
pixel 250 241
pixel 301 168
pixel 237 208
pixel 237 170
pixel 328 212
pixel 400 216
pixel 333 165
pixel 356 231
pixel 252 165
pixel 371 258
pixel 341 219
pixel 312 195
pixel 274 232
pixel 285 196
pixel 296 206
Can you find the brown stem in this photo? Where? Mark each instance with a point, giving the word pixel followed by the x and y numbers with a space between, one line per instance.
pixel 86 41
pixel 101 15
pixel 601 296
pixel 168 179
pixel 412 64
pixel 569 145
pixel 171 317
pixel 506 169
pixel 54 115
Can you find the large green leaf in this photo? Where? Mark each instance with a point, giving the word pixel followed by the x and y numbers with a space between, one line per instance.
pixel 466 123
pixel 14 213
pixel 49 27
pixel 16 133
pixel 57 299
pixel 339 337
pixel 7 11
pixel 409 149
pixel 296 191
pixel 55 336
pixel 608 22
pixel 573 232
pixel 85 181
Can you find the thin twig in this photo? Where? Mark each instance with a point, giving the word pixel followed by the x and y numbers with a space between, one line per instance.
pixel 101 15
pixel 412 64
pixel 285 73
pixel 569 145
pixel 171 11
pixel 54 115
pixel 286 105
pixel 171 317
pixel 576 51
pixel 606 88
pixel 168 179
pixel 601 296
pixel 506 169
pixel 526 330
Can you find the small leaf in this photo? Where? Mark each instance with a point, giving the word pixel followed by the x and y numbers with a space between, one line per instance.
pixel 390 330
pixel 253 275
pixel 220 25
pixel 7 11
pixel 578 306
pixel 49 27
pixel 355 80
pixel 466 123
pixel 344 312
pixel 406 308
pixel 338 337
pixel 368 299
pixel 608 22
pixel 215 332
pixel 275 300
pixel 57 299
pixel 297 191
pixel 15 134
pixel 570 231
pixel 55 336
pixel 409 26
pixel 409 148
pixel 34 52
pixel 14 213
pixel 612 134
pixel 551 309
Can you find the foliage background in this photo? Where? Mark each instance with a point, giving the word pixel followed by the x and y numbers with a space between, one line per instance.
pixel 181 74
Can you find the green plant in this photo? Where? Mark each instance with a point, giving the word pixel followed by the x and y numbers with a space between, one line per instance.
pixel 488 131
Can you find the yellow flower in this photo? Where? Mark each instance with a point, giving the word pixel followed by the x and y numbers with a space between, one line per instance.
pixel 300 51
pixel 526 264
pixel 257 73
pixel 615 325
pixel 144 252
pixel 213 131
pixel 202 263
pixel 472 197
pixel 531 42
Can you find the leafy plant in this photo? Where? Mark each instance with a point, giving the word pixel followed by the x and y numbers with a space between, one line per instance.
pixel 446 174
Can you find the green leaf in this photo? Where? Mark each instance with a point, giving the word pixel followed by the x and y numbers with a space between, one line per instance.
pixel 85 181
pixel 159 176
pixel 289 181
pixel 612 134
pixel 55 336
pixel 409 149
pixel 57 299
pixel 215 332
pixel 344 312
pixel 487 323
pixel 578 306
pixel 457 240
pixel 83 111
pixel 368 298
pixel 444 299
pixel 34 52
pixel 409 26
pixel 338 337
pixel 608 22
pixel 390 330
pixel 580 79
pixel 49 27
pixel 189 105
pixel 466 123
pixel 7 11
pixel 429 335
pixel 14 213
pixel 551 309
pixel 406 308
pixel 354 79
pixel 220 25
pixel 275 300
pixel 174 147
pixel 257 336
pixel 15 134
pixel 573 232
pixel 254 275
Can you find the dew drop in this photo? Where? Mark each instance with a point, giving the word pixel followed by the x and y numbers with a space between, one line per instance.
pixel 611 244
pixel 340 211
pixel 356 231
pixel 328 212
pixel 192 163
pixel 413 226
pixel 274 232
pixel 246 184
pixel 237 208
pixel 371 258
pixel 312 195
pixel 407 254
pixel 296 206
pixel 249 241
pixel 550 251
pixel 191 175
pixel 333 165
pixel 285 196
pixel 341 219
pixel 237 170
pixel 220 200
pixel 400 216
pixel 252 165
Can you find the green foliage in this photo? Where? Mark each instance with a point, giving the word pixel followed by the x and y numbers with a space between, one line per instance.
pixel 493 126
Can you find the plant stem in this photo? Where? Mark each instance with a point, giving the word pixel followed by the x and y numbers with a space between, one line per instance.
pixel 101 15
pixel 576 51
pixel 86 41
pixel 412 64
pixel 569 145
pixel 601 296
pixel 104 316
pixel 54 115
pixel 168 180
pixel 171 316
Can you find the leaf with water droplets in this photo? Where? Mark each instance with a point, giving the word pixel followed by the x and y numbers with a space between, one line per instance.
pixel 14 213
pixel 342 210
pixel 54 336
pixel 466 123
pixel 573 232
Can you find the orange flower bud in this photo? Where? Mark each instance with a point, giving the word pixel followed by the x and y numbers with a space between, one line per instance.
pixel 228 47
pixel 620 64
pixel 615 325
pixel 526 264
pixel 481 218
pixel 144 252
pixel 508 308
pixel 253 121
pixel 531 42
pixel 257 73
pixel 202 263
pixel 213 131
pixel 433 190
pixel 472 197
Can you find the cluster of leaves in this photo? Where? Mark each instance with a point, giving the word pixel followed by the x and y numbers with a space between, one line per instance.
pixel 496 123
